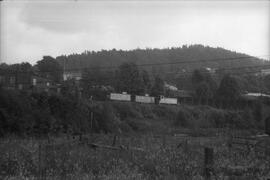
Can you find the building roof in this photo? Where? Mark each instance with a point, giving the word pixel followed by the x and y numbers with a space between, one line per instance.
pixel 170 87
pixel 255 95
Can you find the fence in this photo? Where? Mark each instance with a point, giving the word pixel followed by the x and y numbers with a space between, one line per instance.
pixel 57 160
pixel 166 157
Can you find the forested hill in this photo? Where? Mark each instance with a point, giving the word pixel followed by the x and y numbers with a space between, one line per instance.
pixel 180 59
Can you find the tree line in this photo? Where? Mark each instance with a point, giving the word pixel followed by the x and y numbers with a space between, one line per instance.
pixel 131 78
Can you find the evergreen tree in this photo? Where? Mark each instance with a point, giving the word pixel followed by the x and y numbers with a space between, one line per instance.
pixel 203 84
pixel 50 68
pixel 146 81
pixel 229 88
pixel 129 79
pixel 158 87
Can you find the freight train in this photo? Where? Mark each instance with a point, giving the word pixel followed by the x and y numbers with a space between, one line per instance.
pixel 143 99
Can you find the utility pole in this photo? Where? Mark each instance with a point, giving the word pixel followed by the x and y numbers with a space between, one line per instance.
pixel 260 99
pixel 208 162
pixel 91 115
pixel 64 70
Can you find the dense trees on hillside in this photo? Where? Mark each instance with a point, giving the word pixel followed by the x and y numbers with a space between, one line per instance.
pixel 171 64
pixel 203 84
pixel 49 67
pixel 135 71
pixel 266 82
pixel 97 83
pixel 128 79
pixel 153 56
pixel 146 81
pixel 229 88
pixel 158 87
pixel 19 67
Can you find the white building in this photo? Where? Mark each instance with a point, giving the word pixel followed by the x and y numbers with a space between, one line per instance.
pixel 77 75
pixel 170 87
pixel 265 72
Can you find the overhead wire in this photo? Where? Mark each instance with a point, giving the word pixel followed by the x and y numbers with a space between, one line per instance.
pixel 239 68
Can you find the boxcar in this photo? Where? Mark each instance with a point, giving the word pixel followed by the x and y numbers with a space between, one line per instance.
pixel 120 97
pixel 164 100
pixel 145 99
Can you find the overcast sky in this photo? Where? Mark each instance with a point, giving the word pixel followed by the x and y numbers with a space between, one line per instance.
pixel 31 29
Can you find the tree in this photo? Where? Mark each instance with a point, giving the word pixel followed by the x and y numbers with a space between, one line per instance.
pixel 203 91
pixel 229 88
pixel 96 83
pixel 50 68
pixel 22 67
pixel 128 79
pixel 266 81
pixel 158 87
pixel 257 111
pixel 203 84
pixel 197 77
pixel 146 81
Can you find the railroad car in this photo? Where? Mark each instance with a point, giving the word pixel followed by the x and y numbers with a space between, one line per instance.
pixel 120 97
pixel 145 99
pixel 165 100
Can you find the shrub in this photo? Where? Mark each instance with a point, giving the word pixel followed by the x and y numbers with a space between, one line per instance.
pixel 126 109
pixel 138 125
pixel 183 118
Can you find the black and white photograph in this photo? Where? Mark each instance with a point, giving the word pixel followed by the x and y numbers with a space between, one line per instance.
pixel 134 90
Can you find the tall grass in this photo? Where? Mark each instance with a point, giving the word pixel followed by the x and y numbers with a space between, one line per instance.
pixel 171 158
pixel 208 117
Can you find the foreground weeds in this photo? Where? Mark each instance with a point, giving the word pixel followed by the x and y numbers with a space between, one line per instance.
pixel 164 157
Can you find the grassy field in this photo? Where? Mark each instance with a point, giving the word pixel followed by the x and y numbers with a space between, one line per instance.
pixel 154 141
pixel 175 155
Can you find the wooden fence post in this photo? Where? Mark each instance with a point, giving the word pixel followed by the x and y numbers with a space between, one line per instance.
pixel 208 162
pixel 164 143
pixel 267 125
pixel 114 140
pixel 39 162
pixel 186 146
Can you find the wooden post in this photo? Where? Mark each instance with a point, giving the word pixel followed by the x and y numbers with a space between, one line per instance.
pixel 208 162
pixel 267 125
pixel 63 162
pixel 164 143
pixel 185 146
pixel 114 140
pixel 91 116
pixel 39 162
pixel 44 169
pixel 80 136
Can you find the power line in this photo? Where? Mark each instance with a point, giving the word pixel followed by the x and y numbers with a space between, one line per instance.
pixel 225 71
pixel 183 73
pixel 162 64
pixel 175 78
pixel 173 63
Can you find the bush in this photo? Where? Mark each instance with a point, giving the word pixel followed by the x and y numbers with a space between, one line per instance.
pixel 207 117
pixel 183 118
pixel 108 122
pixel 3 123
pixel 40 114
pixel 217 117
pixel 126 109
pixel 138 125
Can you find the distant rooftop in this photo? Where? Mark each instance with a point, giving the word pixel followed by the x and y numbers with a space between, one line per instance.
pixel 257 94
